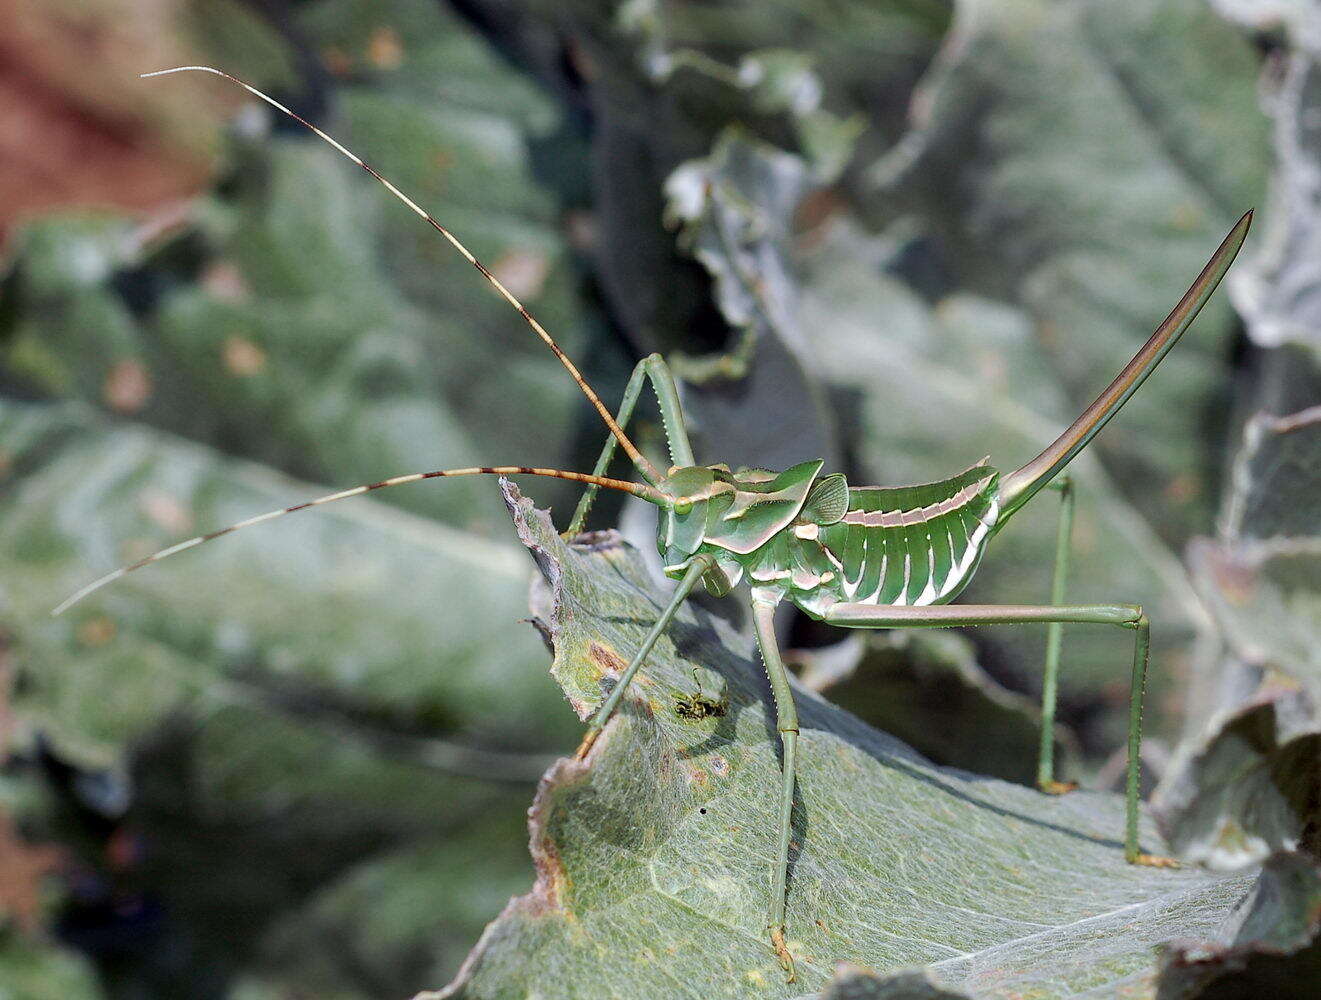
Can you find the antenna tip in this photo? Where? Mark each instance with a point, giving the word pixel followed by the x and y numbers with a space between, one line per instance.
pixel 180 69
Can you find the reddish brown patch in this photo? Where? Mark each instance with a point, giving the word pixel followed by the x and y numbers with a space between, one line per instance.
pixel 336 60
pixel 224 282
pixel 1182 489
pixel 23 867
pixel 607 662
pixel 523 272
pixel 553 883
pixel 127 387
pixel 243 357
pixel 384 49
pixel 813 213
pixel 76 125
pixel 166 511
pixel 96 631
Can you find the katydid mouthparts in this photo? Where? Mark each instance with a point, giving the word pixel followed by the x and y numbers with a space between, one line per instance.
pixel 852 556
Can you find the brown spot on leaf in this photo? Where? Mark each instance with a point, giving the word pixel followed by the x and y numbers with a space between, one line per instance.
pixel 1182 489
pixel 523 272
pixel 607 662
pixel 336 60
pixel 127 387
pixel 96 631
pixel 23 867
pixel 553 883
pixel 166 511
pixel 384 49
pixel 243 357
pixel 813 213
pixel 224 282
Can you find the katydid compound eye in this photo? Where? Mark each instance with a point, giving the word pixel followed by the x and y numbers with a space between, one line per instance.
pixel 683 506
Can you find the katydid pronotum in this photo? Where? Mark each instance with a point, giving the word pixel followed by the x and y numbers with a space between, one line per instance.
pixel 852 556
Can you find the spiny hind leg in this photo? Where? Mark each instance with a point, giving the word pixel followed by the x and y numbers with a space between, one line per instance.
pixel 1124 615
pixel 1054 635
pixel 1137 693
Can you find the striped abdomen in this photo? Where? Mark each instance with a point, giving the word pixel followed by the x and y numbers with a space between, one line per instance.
pixel 912 545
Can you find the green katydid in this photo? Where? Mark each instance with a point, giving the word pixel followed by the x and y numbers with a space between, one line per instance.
pixel 852 556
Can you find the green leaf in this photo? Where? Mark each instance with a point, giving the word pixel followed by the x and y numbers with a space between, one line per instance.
pixel 299 316
pixel 1268 947
pixel 652 854
pixel 1249 788
pixel 734 210
pixel 1274 950
pixel 294 705
pixel 1277 477
pixel 1272 289
pixel 1244 785
pixel 337 605
pixel 33 970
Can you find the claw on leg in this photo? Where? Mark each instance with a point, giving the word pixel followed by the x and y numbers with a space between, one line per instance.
pixel 1154 861
pixel 585 746
pixel 782 952
pixel 1057 787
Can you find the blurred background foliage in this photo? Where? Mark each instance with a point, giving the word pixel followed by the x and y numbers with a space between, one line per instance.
pixel 898 234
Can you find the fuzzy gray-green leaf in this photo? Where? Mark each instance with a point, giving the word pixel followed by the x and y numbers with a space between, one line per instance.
pixel 653 855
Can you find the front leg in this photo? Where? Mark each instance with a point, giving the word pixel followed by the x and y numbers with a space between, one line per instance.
pixel 786 722
pixel 699 566
pixel 1128 616
pixel 652 368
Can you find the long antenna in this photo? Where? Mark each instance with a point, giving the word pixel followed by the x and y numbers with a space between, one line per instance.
pixel 641 490
pixel 649 471
pixel 1019 486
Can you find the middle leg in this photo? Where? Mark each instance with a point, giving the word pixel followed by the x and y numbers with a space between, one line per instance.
pixel 786 722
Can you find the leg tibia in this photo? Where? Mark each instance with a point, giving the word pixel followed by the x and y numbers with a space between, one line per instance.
pixel 699 566
pixel 786 722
